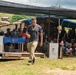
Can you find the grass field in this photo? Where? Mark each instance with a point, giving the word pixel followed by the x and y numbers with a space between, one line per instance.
pixel 6 15
pixel 42 66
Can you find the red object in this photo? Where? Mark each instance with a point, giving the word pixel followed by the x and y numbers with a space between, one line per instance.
pixel 23 35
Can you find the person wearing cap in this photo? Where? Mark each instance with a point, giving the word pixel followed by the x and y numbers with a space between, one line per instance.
pixel 8 33
pixel 33 32
pixel 74 49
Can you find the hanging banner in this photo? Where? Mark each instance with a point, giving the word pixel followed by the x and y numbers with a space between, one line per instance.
pixel 14 40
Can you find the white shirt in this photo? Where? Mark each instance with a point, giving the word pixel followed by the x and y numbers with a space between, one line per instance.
pixel 69 50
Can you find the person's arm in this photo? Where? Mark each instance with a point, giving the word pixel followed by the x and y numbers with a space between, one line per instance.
pixel 41 36
pixel 41 39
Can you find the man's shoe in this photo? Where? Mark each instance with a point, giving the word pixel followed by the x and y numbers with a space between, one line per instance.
pixel 33 61
pixel 29 62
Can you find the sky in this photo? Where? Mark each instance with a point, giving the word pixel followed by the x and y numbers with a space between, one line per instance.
pixel 71 4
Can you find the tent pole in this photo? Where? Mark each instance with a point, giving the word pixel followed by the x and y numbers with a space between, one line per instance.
pixel 60 46
pixel 58 30
pixel 49 27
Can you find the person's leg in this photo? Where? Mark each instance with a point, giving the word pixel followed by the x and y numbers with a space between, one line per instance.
pixel 29 48
pixel 33 47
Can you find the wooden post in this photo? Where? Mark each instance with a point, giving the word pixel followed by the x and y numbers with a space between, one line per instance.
pixel 61 55
pixel 22 47
pixel 3 47
pixel 18 46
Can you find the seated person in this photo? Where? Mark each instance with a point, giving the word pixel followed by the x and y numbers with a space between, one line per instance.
pixel 69 50
pixel 23 34
pixel 64 49
pixel 74 49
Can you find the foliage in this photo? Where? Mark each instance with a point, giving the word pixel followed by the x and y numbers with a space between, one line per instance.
pixel 19 17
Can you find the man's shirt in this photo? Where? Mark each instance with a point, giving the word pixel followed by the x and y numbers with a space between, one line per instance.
pixel 34 32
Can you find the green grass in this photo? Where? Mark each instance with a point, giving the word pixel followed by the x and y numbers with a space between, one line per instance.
pixel 5 15
pixel 20 67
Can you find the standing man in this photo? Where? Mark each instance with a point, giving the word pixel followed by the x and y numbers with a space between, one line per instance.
pixel 33 32
pixel 45 39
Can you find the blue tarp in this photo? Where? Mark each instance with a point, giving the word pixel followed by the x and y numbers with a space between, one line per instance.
pixel 69 23
pixel 38 17
pixel 29 21
pixel 13 40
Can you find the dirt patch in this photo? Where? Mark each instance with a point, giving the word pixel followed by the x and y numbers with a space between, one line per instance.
pixel 60 72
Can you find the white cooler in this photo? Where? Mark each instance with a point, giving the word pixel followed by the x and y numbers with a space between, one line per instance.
pixel 53 50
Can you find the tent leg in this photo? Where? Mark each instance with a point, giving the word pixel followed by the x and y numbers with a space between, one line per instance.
pixel 58 30
pixel 60 47
pixel 49 28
